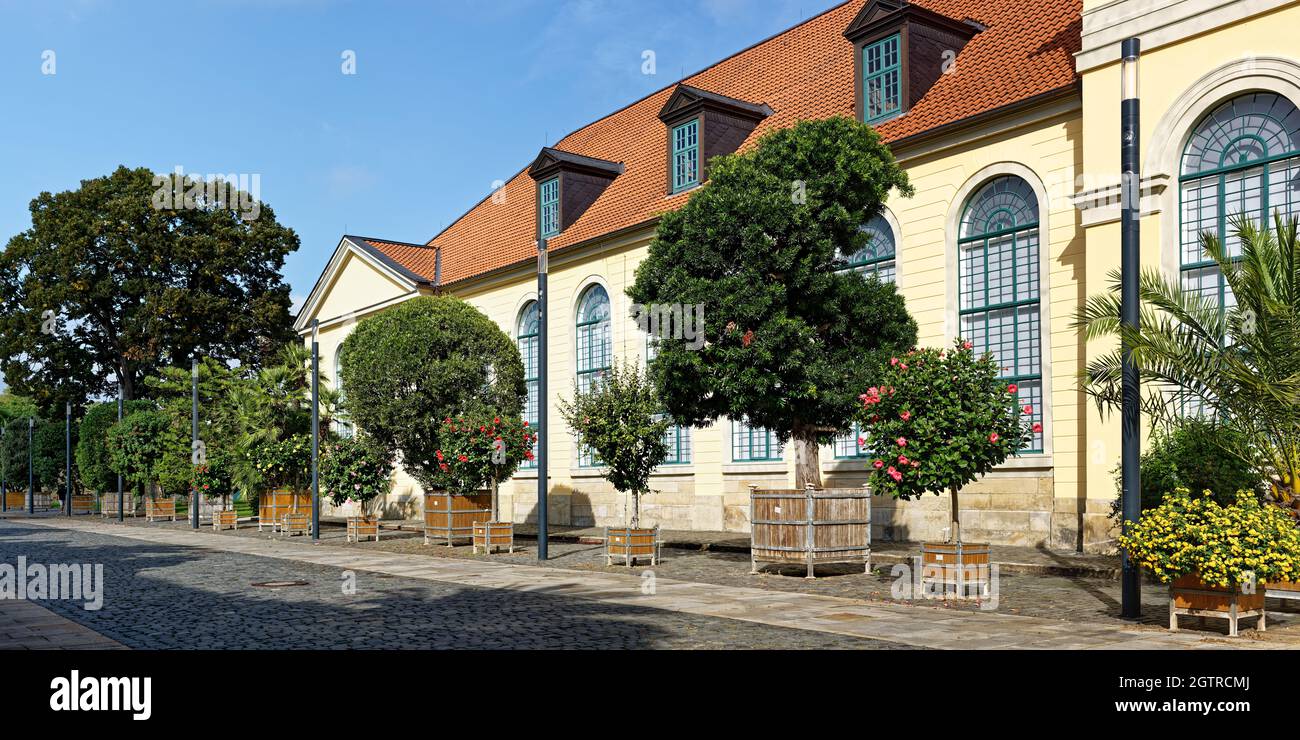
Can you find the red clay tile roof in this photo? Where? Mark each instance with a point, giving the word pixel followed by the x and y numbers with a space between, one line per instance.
pixel 807 72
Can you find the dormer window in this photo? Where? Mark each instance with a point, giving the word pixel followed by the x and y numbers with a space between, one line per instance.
pixel 881 78
pixel 548 206
pixel 900 51
pixel 700 125
pixel 567 185
pixel 686 156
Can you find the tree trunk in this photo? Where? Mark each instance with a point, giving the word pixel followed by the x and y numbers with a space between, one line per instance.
pixel 807 461
pixel 494 500
pixel 636 509
pixel 954 516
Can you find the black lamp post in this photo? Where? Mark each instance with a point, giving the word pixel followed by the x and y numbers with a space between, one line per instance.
pixel 1130 265
pixel 67 451
pixel 194 437
pixel 121 498
pixel 31 479
pixel 4 470
pixel 543 433
pixel 315 433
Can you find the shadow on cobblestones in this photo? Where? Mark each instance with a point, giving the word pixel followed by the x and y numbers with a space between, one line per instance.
pixel 160 597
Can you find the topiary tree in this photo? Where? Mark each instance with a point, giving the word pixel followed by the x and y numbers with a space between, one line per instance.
pixel 421 362
pixel 789 338
pixel 355 469
pixel 621 419
pixel 149 452
pixel 1199 455
pixel 938 420
pixel 49 457
pixel 95 470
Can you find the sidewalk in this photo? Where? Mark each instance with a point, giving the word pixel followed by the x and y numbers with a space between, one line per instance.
pixel 26 625
pixel 918 626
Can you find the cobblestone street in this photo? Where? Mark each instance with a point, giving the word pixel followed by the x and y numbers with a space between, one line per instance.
pixel 165 597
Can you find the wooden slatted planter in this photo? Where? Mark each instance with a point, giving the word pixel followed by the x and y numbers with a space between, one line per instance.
pixel 810 527
pixel 294 523
pixel 275 503
pixel 16 500
pixel 363 526
pixel 108 504
pixel 156 509
pixel 492 536
pixel 631 543
pixel 1283 590
pixel 1190 596
pixel 451 517
pixel 225 520
pixel 83 503
pixel 965 566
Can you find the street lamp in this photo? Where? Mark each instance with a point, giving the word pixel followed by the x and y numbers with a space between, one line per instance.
pixel 195 445
pixel 1130 265
pixel 4 470
pixel 67 451
pixel 31 479
pixel 121 516
pixel 543 435
pixel 315 432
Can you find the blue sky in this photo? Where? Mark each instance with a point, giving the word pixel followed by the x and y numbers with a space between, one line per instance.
pixel 447 96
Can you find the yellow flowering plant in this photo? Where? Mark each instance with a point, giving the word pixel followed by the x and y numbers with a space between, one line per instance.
pixel 1192 533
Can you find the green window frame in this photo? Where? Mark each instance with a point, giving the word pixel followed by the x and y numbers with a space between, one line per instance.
pixel 342 424
pixel 686 155
pixel 677 437
pixel 1243 158
pixel 882 83
pixel 527 338
pixel 548 198
pixel 753 444
pixel 999 287
pixel 595 351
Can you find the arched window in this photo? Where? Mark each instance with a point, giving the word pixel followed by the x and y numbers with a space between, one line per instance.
pixel 527 337
pixel 1242 159
pixel 678 438
pixel 877 256
pixel 998 255
pixel 595 348
pixel 341 423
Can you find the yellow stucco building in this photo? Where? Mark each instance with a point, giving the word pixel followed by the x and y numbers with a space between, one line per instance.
pixel 1005 116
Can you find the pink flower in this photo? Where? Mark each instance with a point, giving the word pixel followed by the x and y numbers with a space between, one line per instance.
pixel 873 391
pixel 1038 428
pixel 1013 388
pixel 916 464
pixel 879 464
pixel 994 438
pixel 893 361
pixel 897 476
pixel 1029 409
pixel 906 415
pixel 902 441
pixel 903 366
pixel 902 459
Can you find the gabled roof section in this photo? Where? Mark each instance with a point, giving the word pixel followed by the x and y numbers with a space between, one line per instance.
pixel 1024 51
pixel 879 14
pixel 412 266
pixel 551 159
pixel 686 99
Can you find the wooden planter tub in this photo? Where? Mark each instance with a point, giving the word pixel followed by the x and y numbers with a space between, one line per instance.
pixel 275 503
pixel 293 523
pixel 1283 590
pixel 363 526
pixel 491 536
pixel 225 520
pixel 159 508
pixel 83 503
pixel 16 500
pixel 108 504
pixel 631 543
pixel 961 565
pixel 810 527
pixel 1190 596
pixel 451 517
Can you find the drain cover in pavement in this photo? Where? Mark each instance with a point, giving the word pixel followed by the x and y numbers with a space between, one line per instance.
pixel 280 584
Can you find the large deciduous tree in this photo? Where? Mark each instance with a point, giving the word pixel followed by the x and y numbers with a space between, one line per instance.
pixel 790 339
pixel 110 282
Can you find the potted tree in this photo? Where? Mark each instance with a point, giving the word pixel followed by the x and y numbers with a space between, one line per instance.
pixel 353 472
pixel 97 473
pixel 938 420
pixel 283 467
pixel 475 452
pixel 1216 559
pixel 148 452
pixel 442 359
pixel 621 419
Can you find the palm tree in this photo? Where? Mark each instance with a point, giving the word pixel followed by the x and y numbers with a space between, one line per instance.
pixel 1238 365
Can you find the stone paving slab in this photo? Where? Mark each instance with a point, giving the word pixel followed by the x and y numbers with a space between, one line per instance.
pixel 910 625
pixel 26 625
